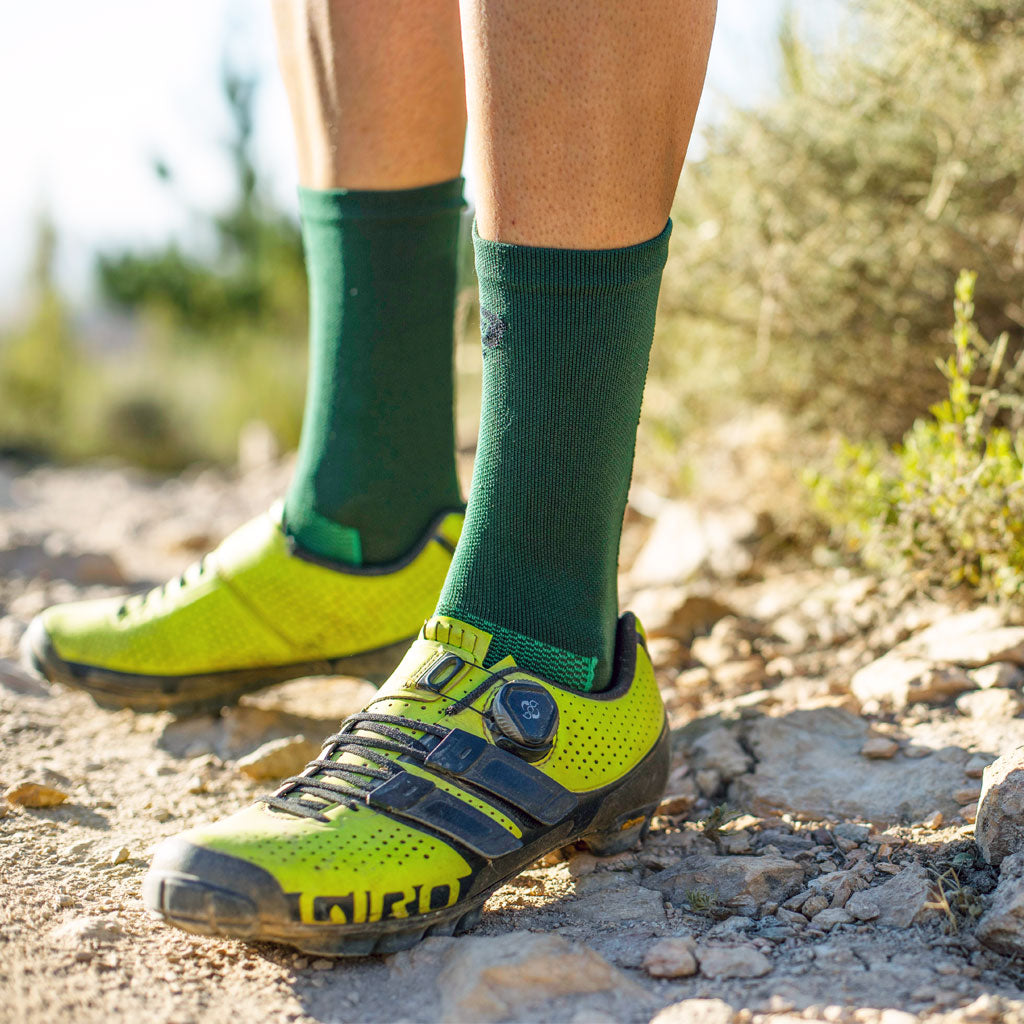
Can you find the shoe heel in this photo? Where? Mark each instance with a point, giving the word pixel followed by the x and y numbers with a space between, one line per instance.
pixel 625 832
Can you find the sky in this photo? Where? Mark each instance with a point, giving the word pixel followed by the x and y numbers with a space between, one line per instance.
pixel 94 93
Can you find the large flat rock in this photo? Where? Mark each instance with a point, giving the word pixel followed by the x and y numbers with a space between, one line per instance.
pixel 731 880
pixel 808 764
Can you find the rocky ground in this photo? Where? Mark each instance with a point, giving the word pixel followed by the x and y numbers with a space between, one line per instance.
pixel 815 857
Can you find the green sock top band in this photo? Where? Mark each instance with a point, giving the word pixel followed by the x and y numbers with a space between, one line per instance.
pixel 539 267
pixel 334 205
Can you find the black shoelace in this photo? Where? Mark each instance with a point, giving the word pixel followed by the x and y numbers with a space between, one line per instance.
pixel 196 570
pixel 379 735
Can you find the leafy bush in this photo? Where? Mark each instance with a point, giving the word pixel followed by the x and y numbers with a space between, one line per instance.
pixel 822 232
pixel 946 505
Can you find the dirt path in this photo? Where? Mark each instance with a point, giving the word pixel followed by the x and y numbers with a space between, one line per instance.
pixel 820 901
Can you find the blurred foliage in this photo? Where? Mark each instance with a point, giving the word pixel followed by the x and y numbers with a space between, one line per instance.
pixel 39 365
pixel 253 275
pixel 947 504
pixel 819 237
pixel 217 336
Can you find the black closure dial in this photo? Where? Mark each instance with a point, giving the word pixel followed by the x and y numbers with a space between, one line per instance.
pixel 524 719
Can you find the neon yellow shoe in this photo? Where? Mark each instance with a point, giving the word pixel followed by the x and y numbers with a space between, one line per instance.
pixel 451 781
pixel 255 611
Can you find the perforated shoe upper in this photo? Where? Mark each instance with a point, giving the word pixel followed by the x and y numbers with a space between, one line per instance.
pixel 255 602
pixel 398 814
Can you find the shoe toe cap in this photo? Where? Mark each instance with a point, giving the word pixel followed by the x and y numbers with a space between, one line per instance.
pixel 210 892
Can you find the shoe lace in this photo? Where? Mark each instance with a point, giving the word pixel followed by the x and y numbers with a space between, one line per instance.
pixel 371 737
pixel 328 778
pixel 193 572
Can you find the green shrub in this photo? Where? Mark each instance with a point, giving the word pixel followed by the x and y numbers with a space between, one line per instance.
pixel 822 230
pixel 947 504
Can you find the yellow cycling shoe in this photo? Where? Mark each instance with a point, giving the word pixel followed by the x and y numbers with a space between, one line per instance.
pixel 255 611
pixel 450 782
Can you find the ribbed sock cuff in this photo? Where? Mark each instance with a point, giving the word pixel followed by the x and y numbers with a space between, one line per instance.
pixel 332 205
pixel 539 267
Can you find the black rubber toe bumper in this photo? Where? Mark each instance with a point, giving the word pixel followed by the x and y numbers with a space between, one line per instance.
pixel 212 893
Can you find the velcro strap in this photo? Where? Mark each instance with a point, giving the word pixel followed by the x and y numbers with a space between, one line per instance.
pixel 419 800
pixel 465 756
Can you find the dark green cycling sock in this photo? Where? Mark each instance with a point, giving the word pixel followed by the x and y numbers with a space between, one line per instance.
pixel 566 338
pixel 377 457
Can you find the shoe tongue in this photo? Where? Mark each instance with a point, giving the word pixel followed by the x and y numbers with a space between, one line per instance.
pixel 469 641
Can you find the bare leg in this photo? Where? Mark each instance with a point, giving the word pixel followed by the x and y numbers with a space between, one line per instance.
pixel 376 90
pixel 580 115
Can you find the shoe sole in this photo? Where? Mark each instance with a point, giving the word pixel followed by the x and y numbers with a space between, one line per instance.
pixel 191 694
pixel 202 908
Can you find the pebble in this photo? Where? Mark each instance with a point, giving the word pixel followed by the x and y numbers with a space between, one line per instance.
pixel 893 1016
pixel 87 929
pixel 696 1011
pixel 990 704
pixel 737 677
pixel 831 917
pixel 623 903
pixel 915 752
pixel 720 751
pixel 999 830
pixel 791 917
pixel 322 965
pixel 195 785
pixel 734 879
pixel 797 901
pixel 120 855
pixel 985 1008
pixel 974 639
pixel 278 759
pixel 968 795
pixel 677 803
pixel 999 673
pixel 879 748
pixel 34 794
pixel 708 781
pixel 864 909
pixel 581 863
pixel 484 978
pixel 899 679
pixel 743 961
pixel 671 958
pixel 815 905
pixel 903 900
